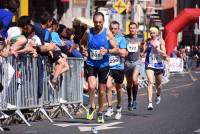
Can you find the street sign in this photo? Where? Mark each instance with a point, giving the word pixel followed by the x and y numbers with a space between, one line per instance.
pixel 120 6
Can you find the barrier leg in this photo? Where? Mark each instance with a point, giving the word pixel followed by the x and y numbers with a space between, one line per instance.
pixel 42 110
pixel 55 112
pixel 63 107
pixel 19 113
pixel 76 108
pixel 81 105
pixel 1 129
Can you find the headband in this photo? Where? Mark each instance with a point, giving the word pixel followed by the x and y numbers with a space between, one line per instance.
pixel 154 29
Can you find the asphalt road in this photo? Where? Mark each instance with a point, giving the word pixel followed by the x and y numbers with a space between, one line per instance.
pixel 178 113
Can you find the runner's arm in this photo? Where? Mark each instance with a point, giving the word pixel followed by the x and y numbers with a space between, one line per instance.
pixel 162 49
pixel 83 43
pixel 122 48
pixel 113 44
pixel 144 49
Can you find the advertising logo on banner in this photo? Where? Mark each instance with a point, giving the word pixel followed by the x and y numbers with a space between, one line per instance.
pixel 176 65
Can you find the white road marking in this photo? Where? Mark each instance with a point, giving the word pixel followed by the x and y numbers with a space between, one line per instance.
pixel 167 89
pixel 192 77
pixel 101 127
pixel 88 127
pixel 197 131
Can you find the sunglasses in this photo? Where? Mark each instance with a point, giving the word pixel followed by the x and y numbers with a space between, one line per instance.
pixel 113 28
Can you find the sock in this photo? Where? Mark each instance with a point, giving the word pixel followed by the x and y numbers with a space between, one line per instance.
pixel 110 106
pixel 134 91
pixel 129 94
pixel 118 107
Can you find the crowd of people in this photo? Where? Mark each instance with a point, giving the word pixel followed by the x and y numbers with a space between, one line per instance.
pixel 38 39
pixel 109 55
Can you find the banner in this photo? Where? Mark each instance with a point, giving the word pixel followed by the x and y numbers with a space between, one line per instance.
pixel 176 65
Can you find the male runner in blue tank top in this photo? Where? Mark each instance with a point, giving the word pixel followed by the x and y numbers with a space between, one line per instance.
pixel 100 43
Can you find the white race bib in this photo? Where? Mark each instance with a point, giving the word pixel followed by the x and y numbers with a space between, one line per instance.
pixel 154 59
pixel 114 60
pixel 95 55
pixel 132 47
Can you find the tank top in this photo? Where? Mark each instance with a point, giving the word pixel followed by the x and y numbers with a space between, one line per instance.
pixel 133 48
pixel 95 42
pixel 115 61
pixel 153 57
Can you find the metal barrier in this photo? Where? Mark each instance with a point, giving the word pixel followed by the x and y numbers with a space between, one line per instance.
pixel 19 76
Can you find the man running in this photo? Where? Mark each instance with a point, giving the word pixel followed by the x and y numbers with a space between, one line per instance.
pixel 116 63
pixel 133 63
pixel 100 43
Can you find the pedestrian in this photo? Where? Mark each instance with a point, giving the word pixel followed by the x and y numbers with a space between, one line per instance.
pixel 133 63
pixel 116 63
pixel 155 52
pixel 100 43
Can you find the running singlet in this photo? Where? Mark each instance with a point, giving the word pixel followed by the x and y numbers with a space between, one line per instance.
pixel 115 61
pixel 153 58
pixel 133 48
pixel 95 42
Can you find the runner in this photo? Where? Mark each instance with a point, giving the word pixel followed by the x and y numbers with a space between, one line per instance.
pixel 133 63
pixel 100 42
pixel 155 51
pixel 116 71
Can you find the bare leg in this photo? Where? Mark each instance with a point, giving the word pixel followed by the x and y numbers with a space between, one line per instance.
pixel 102 89
pixel 92 86
pixel 109 91
pixel 150 77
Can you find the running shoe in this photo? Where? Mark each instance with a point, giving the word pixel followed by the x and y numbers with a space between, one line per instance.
pixel 109 112
pixel 150 106
pixel 100 118
pixel 90 113
pixel 134 104
pixel 130 108
pixel 118 115
pixel 158 99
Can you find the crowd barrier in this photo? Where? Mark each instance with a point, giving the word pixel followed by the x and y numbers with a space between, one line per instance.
pixel 19 77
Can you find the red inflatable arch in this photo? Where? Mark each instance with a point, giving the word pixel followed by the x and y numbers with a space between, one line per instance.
pixel 188 15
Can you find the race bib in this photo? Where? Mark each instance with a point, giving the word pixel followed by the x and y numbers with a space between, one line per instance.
pixel 114 60
pixel 155 59
pixel 95 55
pixel 132 47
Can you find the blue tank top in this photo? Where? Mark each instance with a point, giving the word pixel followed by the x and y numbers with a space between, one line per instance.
pixel 95 42
pixel 115 61
pixel 153 58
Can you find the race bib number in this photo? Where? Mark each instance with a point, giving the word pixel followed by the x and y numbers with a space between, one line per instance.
pixel 114 60
pixel 132 47
pixel 155 59
pixel 95 55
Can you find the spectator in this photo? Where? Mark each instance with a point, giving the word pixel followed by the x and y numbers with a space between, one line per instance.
pixel 6 16
pixel 32 43
pixel 56 56
pixel 69 48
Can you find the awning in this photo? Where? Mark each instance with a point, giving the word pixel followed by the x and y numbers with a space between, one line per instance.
pixel 88 22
